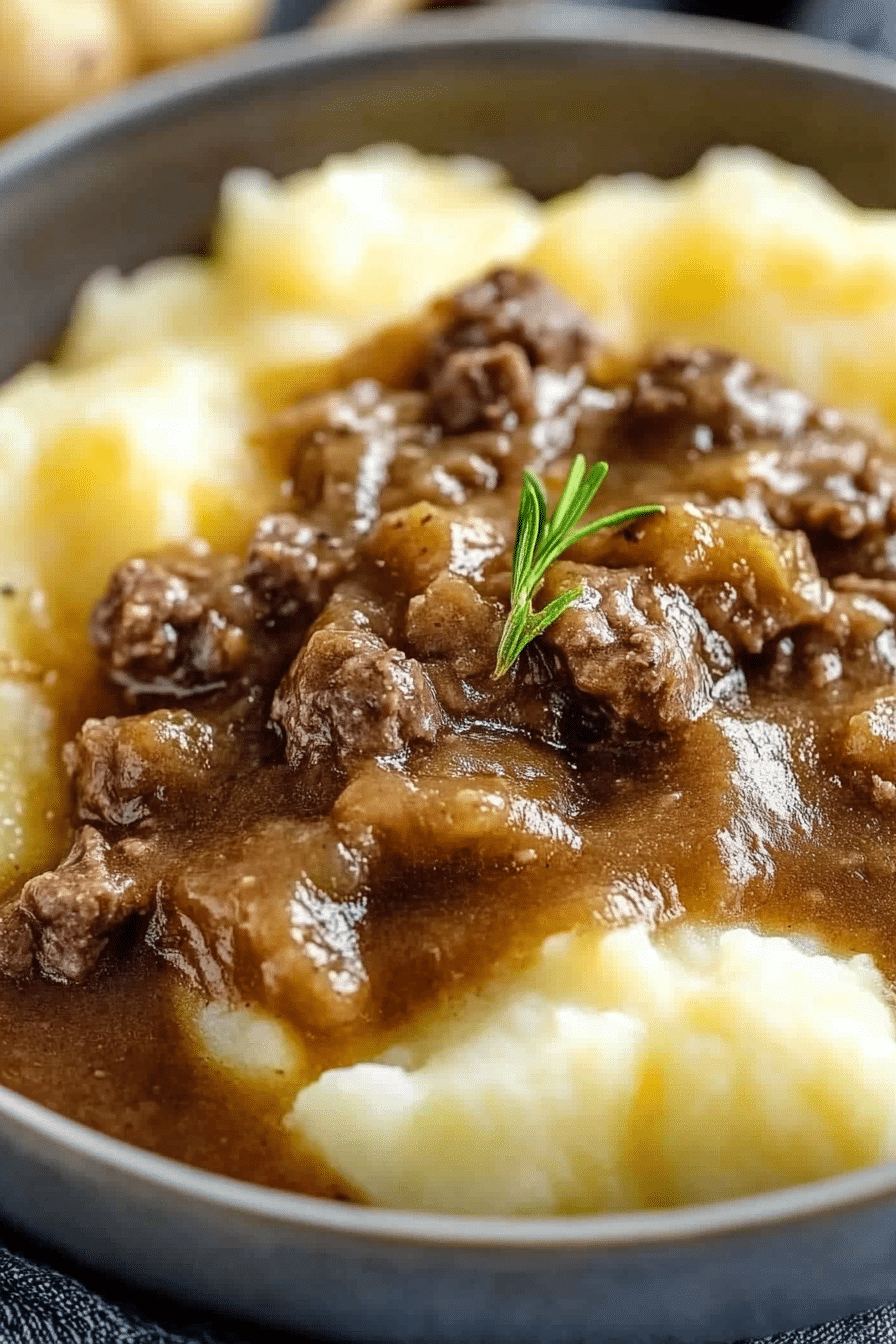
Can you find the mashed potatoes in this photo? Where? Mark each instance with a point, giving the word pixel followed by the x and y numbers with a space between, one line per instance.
pixel 616 1072
pixel 746 253
pixel 622 1074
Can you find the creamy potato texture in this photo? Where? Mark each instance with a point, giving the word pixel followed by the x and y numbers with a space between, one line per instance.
pixel 616 1072
pixel 619 1074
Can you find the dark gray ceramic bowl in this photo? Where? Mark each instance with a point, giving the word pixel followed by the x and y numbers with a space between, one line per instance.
pixel 556 96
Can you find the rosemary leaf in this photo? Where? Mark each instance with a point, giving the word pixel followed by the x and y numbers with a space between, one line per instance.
pixel 540 541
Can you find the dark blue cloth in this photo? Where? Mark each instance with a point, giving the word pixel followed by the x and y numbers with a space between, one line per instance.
pixel 870 24
pixel 45 1301
pixel 41 1305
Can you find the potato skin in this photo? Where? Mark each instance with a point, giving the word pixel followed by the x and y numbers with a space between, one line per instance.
pixel 54 53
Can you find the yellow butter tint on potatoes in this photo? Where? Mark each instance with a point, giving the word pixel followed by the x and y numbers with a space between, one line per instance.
pixel 664 1073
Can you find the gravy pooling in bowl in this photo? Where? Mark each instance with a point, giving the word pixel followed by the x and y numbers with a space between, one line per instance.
pixel 310 825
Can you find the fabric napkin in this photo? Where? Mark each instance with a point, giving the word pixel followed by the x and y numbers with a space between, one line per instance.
pixel 41 1305
pixel 45 1301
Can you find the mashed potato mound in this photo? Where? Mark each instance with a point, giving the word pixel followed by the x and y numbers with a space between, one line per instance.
pixel 372 234
pixel 622 1073
pixel 744 252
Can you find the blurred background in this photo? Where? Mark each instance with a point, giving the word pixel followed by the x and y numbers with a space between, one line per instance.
pixel 56 53
pixel 870 24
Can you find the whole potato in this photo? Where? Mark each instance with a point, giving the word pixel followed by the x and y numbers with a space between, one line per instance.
pixel 175 30
pixel 57 52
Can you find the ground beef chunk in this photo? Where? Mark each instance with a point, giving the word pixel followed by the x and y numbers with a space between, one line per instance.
pixel 785 459
pixel 449 474
pixel 16 942
pixel 177 622
pixel 365 450
pixel 455 632
pixel 638 647
pixel 126 771
pixel 493 387
pixel 348 696
pixel 831 485
pixel 359 606
pixel 519 307
pixel 74 910
pixel 512 348
pixel 694 400
pixel 291 567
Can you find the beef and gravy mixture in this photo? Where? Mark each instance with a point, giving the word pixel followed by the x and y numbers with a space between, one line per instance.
pixel 300 786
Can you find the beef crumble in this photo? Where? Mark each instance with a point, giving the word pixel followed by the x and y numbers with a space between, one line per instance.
pixel 316 795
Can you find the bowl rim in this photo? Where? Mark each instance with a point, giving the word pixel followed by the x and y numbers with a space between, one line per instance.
pixel 525 23
pixel 558 25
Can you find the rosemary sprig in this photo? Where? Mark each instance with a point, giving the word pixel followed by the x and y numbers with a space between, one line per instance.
pixel 540 541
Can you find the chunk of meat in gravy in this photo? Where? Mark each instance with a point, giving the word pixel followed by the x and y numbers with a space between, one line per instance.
pixel 347 696
pixel 740 434
pixel 292 568
pixel 693 400
pixel 16 943
pixel 449 473
pixel 73 911
pixel 833 483
pixel 492 387
pixel 450 623
pixel 344 445
pixel 519 307
pixel 176 622
pixel 639 648
pixel 126 771
pixel 454 630
pixel 854 642
pixel 512 347
pixel 274 914
pixel 749 582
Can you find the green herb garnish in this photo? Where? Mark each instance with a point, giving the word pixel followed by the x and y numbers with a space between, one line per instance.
pixel 540 541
